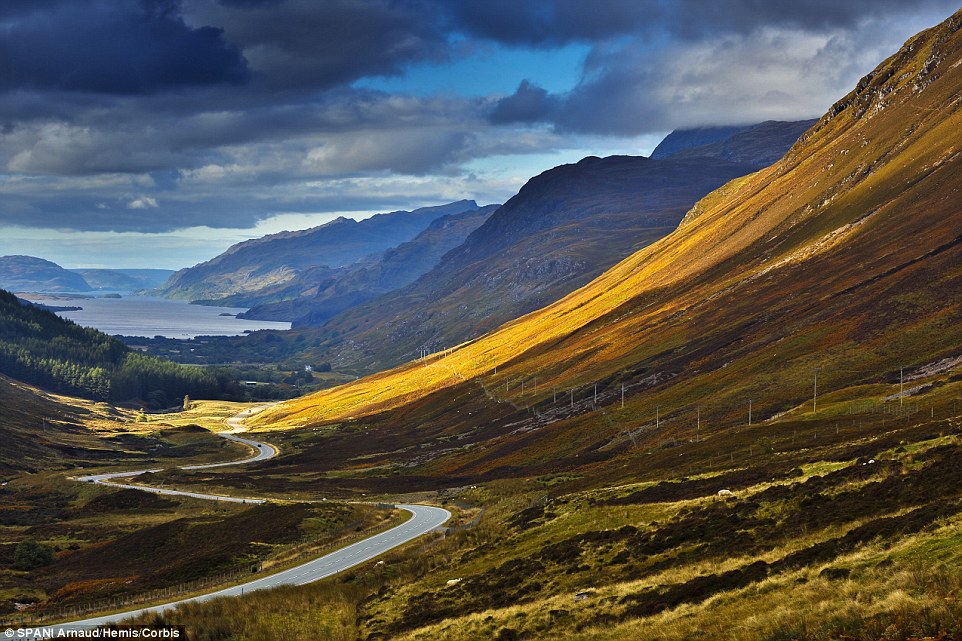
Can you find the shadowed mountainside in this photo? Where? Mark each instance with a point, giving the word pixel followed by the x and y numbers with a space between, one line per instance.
pixel 276 259
pixel 683 139
pixel 319 293
pixel 125 279
pixel 562 229
pixel 760 144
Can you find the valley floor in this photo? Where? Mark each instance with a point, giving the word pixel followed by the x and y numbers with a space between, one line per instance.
pixel 842 525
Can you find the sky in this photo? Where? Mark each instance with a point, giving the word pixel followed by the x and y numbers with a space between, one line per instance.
pixel 156 133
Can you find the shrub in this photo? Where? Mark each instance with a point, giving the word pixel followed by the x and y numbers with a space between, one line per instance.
pixel 30 554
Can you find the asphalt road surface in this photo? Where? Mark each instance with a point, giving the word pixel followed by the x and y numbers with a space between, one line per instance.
pixel 263 451
pixel 425 518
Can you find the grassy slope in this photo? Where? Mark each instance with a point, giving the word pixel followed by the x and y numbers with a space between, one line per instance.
pixel 43 431
pixel 112 543
pixel 817 543
pixel 844 253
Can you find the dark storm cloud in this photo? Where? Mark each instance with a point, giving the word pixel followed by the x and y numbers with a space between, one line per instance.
pixel 529 103
pixel 295 44
pixel 241 209
pixel 529 22
pixel 539 23
pixel 133 47
pixel 19 7
pixel 249 3
pixel 711 63
pixel 694 18
pixel 152 115
pixel 170 134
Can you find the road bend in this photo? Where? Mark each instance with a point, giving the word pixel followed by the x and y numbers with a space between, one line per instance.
pixel 424 519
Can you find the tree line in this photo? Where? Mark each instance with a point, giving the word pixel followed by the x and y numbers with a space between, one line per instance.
pixel 43 349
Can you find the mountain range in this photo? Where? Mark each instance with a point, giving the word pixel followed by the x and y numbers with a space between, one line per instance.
pixel 267 269
pixel 760 144
pixel 127 280
pixel 27 273
pixel 839 262
pixel 565 227
pixel 470 271
pixel 31 274
pixel 318 293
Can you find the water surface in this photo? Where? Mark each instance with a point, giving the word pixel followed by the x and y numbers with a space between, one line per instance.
pixel 147 316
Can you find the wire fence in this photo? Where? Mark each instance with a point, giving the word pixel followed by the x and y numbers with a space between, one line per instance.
pixel 282 556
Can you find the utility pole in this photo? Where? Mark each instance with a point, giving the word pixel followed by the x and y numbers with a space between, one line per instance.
pixel 657 417
pixel 596 394
pixel 698 425
pixel 815 392
pixel 622 396
pixel 901 388
pixel 522 387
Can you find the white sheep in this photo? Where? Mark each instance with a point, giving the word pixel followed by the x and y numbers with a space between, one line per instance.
pixel 725 493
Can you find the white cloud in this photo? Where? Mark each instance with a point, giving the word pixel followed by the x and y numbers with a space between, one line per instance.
pixel 144 202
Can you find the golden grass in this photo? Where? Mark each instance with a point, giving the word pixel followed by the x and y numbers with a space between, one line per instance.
pixel 801 209
pixel 803 601
pixel 212 415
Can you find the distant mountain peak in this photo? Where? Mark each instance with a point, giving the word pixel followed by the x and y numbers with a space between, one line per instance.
pixel 275 259
pixel 690 138
pixel 760 144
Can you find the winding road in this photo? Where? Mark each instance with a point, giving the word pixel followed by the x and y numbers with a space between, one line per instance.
pixel 424 519
pixel 263 451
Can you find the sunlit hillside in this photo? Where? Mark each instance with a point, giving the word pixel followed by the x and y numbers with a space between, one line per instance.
pixel 845 255
pixel 41 430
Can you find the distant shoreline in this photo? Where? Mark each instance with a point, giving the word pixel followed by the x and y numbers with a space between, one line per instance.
pixel 149 317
